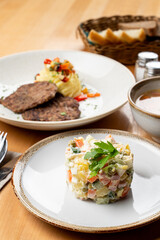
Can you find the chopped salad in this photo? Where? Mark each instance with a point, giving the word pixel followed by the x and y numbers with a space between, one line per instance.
pixel 100 170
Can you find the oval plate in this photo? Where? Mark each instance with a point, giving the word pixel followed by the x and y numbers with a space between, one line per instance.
pixel 39 181
pixel 107 76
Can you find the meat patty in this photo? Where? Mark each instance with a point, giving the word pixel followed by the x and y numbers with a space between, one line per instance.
pixel 30 95
pixel 58 109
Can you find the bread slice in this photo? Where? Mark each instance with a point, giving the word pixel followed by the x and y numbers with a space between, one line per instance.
pixel 109 36
pixel 150 27
pixel 131 36
pixel 113 37
pixel 98 37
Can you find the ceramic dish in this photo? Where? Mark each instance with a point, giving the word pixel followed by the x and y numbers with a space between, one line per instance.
pixel 149 121
pixel 39 181
pixel 106 76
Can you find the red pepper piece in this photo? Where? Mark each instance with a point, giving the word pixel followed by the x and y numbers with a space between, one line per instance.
pixel 81 97
pixel 47 61
pixel 65 79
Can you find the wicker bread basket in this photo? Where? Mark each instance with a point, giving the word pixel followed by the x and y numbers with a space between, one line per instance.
pixel 122 52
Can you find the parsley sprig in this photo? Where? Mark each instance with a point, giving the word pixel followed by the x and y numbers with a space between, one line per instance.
pixel 99 156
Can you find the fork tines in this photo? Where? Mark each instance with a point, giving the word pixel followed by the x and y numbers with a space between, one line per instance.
pixel 2 139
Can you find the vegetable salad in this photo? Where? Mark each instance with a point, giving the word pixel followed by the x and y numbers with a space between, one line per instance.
pixel 100 170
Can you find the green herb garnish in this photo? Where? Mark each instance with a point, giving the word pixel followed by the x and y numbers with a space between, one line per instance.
pixel 75 150
pixel 63 113
pixel 51 81
pixel 99 156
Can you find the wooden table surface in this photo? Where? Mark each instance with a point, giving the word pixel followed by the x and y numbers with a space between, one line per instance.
pixel 50 24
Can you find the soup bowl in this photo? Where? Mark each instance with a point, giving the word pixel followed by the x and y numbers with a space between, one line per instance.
pixel 147 120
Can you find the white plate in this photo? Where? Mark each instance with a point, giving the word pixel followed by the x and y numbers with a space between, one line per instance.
pixel 107 76
pixel 40 184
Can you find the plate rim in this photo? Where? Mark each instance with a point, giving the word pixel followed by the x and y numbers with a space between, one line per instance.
pixel 59 223
pixel 64 124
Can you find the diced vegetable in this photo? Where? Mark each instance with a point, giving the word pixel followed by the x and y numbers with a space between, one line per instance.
pixel 69 175
pixel 79 142
pixel 92 179
pixel 85 90
pixel 56 59
pixel 65 66
pixel 104 178
pixel 125 191
pixel 91 193
pixel 81 97
pixel 113 185
pixel 47 61
pixel 76 150
pixel 92 95
pixel 65 79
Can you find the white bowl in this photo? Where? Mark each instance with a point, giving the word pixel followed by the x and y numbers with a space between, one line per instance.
pixel 150 122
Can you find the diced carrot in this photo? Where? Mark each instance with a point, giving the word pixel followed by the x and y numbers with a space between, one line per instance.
pixel 92 95
pixel 69 175
pixel 70 71
pixel 79 143
pixel 65 66
pixel 92 179
pixel 85 90
pixel 56 59
pixel 125 191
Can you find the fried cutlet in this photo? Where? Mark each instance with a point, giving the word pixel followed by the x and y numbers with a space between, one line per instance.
pixel 29 96
pixel 59 108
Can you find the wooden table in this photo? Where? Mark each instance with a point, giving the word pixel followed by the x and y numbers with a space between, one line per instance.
pixel 51 24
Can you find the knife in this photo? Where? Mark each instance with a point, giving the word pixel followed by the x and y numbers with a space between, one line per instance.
pixel 6 167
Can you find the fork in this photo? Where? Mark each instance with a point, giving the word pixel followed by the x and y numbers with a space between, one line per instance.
pixel 2 140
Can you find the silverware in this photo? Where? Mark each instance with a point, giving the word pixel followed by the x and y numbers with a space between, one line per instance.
pixel 7 166
pixel 2 139
pixel 3 150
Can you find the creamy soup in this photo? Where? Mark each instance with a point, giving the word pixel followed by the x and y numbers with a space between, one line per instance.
pixel 150 101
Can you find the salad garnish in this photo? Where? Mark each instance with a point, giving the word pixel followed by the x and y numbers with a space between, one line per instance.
pixel 99 156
